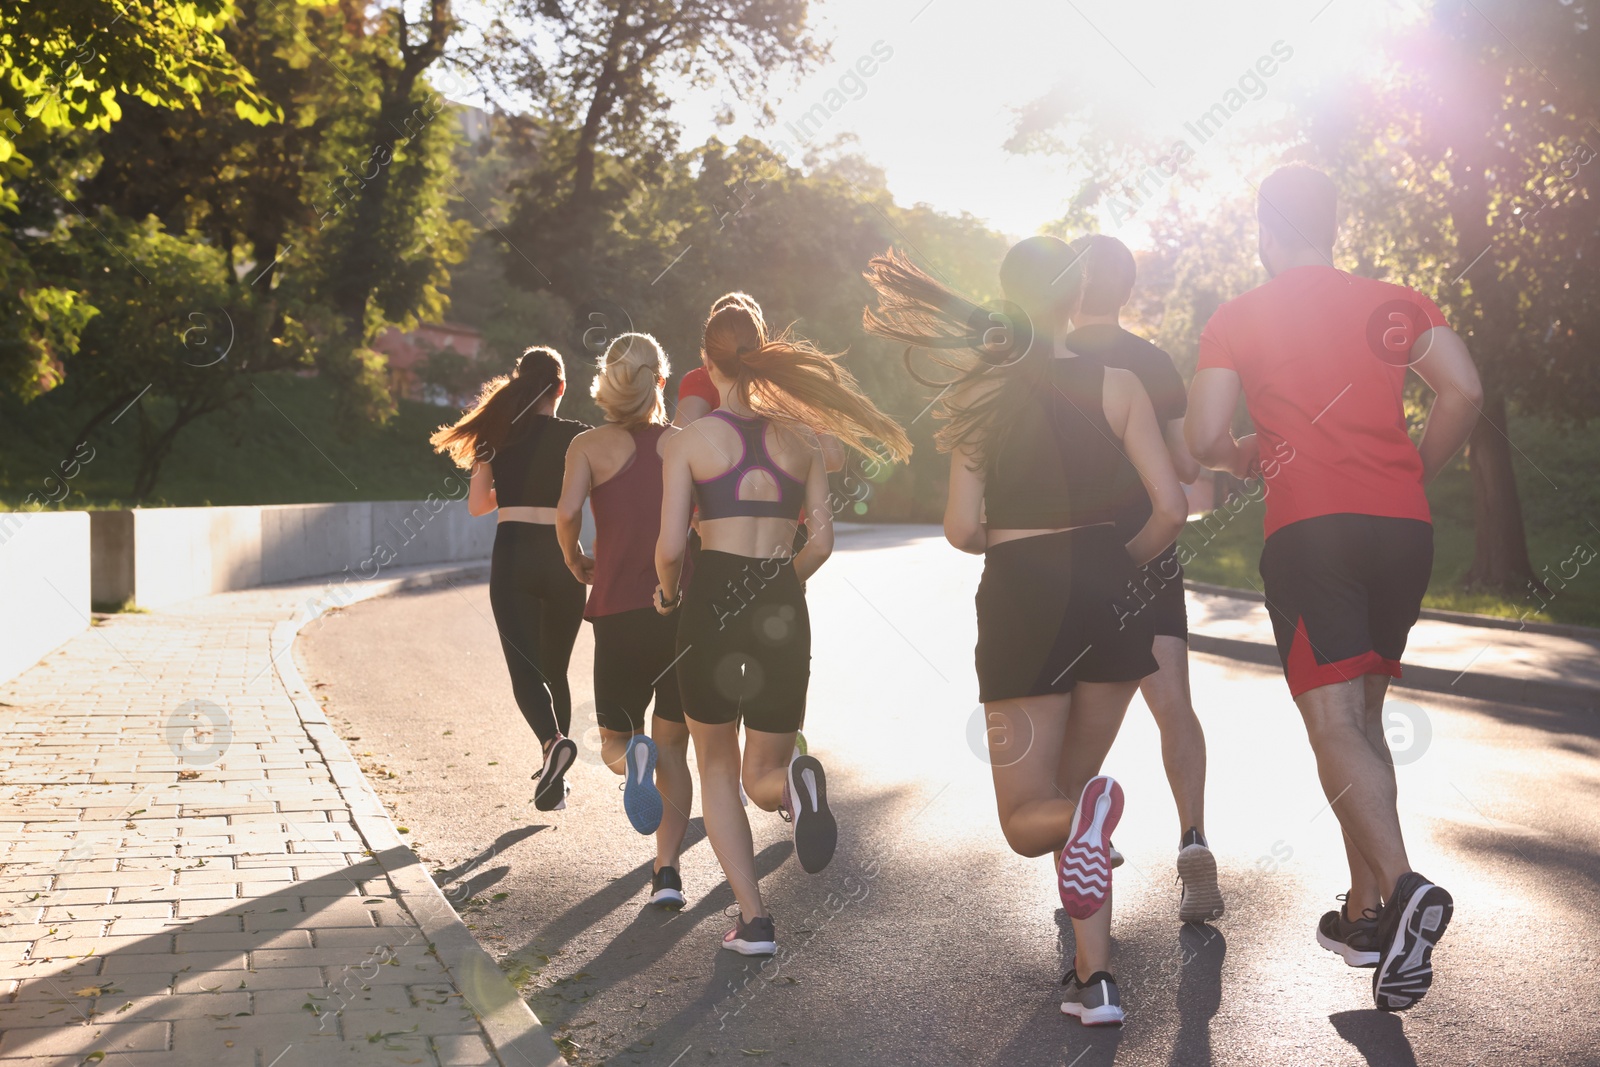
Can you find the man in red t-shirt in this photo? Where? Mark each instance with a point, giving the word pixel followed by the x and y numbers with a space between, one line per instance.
pixel 1321 357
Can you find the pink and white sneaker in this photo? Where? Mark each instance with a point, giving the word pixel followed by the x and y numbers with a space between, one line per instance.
pixel 1086 860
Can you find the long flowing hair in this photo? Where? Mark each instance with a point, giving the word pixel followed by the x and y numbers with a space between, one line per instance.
pixel 990 362
pixel 790 379
pixel 497 419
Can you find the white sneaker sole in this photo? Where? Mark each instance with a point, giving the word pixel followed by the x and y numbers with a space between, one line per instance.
pixel 1352 956
pixel 1202 897
pixel 751 948
pixel 1105 1015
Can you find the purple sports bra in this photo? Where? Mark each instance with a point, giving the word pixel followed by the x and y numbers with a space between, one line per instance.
pixel 718 498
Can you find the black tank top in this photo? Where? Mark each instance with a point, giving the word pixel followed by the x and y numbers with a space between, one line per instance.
pixel 1061 465
pixel 528 470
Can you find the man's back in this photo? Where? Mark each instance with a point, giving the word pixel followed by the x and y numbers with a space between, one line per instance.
pixel 1322 358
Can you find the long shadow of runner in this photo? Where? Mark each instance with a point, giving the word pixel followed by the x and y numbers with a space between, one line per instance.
pixel 1379 1036
pixel 1199 993
pixel 462 892
pixel 650 936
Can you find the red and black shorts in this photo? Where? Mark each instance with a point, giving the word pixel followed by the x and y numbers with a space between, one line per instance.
pixel 1343 592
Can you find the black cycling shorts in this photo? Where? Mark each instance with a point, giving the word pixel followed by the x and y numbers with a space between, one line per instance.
pixel 1343 592
pixel 744 639
pixel 633 662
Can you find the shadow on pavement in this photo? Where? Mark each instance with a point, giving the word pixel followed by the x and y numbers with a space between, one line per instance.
pixel 1379 1036
pixel 1199 992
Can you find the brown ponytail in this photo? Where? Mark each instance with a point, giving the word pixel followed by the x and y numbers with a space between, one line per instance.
pixel 994 358
pixel 497 418
pixel 791 379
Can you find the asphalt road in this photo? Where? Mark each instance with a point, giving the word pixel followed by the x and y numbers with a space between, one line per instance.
pixel 927 941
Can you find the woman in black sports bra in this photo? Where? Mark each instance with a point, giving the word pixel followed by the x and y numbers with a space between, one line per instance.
pixel 1045 448
pixel 516 449
pixel 744 636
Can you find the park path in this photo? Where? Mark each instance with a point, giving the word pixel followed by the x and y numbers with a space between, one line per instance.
pixel 195 871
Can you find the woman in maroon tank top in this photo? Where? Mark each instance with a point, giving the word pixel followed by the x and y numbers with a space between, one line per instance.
pixel 617 468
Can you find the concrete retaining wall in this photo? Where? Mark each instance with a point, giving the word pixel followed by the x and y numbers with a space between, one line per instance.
pixel 44 584
pixel 158 556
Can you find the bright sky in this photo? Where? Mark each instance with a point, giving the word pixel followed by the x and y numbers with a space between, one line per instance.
pixel 936 114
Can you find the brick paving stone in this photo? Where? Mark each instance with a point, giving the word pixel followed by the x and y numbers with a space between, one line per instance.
pixel 188 884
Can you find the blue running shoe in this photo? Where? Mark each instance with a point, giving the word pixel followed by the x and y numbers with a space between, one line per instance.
pixel 640 798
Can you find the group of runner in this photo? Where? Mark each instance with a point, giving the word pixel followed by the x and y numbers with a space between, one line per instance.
pixel 1071 440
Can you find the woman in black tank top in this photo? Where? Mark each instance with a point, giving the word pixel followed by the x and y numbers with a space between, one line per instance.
pixel 1044 447
pixel 516 449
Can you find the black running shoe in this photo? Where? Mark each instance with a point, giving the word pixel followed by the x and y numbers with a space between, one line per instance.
pixel 552 787
pixel 1095 1002
pixel 1354 939
pixel 666 888
pixel 754 938
pixel 816 834
pixel 1411 924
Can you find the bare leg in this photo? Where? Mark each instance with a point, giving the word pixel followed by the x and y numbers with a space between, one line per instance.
pixel 716 749
pixel 1365 890
pixel 1092 725
pixel 614 748
pixel 676 786
pixel 766 767
pixel 1357 776
pixel 1183 743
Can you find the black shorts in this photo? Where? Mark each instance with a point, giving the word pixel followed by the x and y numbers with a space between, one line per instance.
pixel 1343 592
pixel 633 661
pixel 744 638
pixel 1158 591
pixel 1055 610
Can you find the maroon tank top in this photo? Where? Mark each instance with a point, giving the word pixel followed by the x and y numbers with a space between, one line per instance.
pixel 627 521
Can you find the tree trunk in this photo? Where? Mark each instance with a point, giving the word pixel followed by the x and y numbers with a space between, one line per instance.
pixel 1500 556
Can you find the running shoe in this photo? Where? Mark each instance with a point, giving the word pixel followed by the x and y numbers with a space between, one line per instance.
pixel 1356 940
pixel 1197 868
pixel 1095 1002
pixel 1085 873
pixel 551 792
pixel 754 938
pixel 640 798
pixel 666 888
pixel 800 746
pixel 1410 925
pixel 816 834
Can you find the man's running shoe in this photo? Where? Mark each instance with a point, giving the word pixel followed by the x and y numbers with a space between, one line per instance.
pixel 1355 940
pixel 1197 867
pixel 753 938
pixel 1085 874
pixel 666 888
pixel 816 834
pixel 1410 925
pixel 1095 1002
pixel 551 792
pixel 640 798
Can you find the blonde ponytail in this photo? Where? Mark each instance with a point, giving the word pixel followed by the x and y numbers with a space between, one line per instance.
pixel 628 387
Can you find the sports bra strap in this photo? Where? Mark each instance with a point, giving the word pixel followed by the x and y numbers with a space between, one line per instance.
pixel 718 498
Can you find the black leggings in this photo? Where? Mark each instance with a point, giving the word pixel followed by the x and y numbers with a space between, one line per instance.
pixel 538 608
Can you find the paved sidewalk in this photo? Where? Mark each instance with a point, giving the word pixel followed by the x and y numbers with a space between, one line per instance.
pixel 195 872
pixel 1489 659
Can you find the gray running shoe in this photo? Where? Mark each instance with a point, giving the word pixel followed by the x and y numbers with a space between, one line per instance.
pixel 1197 867
pixel 1095 1002
pixel 1354 939
pixel 754 938
pixel 1413 921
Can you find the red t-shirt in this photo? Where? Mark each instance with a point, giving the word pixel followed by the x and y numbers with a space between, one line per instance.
pixel 698 383
pixel 1322 356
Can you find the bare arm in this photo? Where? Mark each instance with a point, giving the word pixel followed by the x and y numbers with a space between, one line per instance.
pixel 819 520
pixel 1187 467
pixel 832 453
pixel 1128 406
pixel 480 494
pixel 1213 396
pixel 963 506
pixel 569 510
pixel 1447 368
pixel 689 409
pixel 676 496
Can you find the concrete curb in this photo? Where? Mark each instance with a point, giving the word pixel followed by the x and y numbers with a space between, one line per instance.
pixel 517 1036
